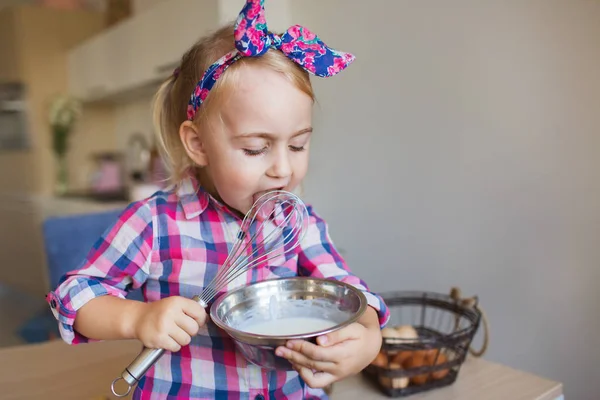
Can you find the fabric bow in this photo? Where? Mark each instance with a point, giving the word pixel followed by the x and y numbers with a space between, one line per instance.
pixel 253 39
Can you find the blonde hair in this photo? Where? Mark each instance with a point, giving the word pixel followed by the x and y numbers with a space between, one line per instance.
pixel 171 100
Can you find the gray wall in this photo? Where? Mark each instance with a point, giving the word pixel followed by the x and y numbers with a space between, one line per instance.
pixel 462 148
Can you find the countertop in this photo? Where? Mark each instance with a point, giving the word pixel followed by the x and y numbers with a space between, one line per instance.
pixel 54 370
pixel 478 379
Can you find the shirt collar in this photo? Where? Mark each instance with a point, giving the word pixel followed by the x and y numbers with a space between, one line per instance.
pixel 195 199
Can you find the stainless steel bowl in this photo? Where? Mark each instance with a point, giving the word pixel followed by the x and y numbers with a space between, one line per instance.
pixel 286 297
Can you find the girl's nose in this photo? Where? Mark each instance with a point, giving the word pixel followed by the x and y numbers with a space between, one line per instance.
pixel 281 167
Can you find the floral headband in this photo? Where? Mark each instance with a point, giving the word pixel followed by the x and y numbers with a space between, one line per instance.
pixel 252 39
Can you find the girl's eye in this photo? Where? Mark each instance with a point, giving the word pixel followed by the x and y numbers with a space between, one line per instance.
pixel 297 148
pixel 251 152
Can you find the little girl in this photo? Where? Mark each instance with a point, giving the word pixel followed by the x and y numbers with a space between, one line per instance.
pixel 234 122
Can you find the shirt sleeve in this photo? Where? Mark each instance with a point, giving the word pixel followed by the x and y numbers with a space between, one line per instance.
pixel 319 258
pixel 117 263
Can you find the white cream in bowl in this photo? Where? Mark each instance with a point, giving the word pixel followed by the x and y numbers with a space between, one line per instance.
pixel 291 317
pixel 287 326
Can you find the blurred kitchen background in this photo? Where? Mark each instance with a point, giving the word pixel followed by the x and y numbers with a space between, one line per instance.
pixel 461 149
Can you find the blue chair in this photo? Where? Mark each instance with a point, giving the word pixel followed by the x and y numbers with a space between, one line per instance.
pixel 67 241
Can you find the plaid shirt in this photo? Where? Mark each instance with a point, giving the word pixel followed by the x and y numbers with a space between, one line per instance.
pixel 172 244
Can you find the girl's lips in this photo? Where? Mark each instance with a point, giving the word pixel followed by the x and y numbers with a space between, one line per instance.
pixel 259 194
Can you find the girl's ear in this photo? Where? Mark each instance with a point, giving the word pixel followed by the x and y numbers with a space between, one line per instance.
pixel 193 143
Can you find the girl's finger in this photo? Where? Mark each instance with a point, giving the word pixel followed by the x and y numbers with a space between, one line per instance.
pixel 180 336
pixel 316 379
pixel 334 354
pixel 188 324
pixel 302 360
pixel 170 344
pixel 350 332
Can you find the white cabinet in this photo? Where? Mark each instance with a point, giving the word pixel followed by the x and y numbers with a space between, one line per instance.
pixel 140 51
pixel 166 31
pixel 89 70
pixel 145 49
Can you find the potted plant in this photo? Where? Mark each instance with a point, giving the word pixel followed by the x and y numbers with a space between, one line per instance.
pixel 64 112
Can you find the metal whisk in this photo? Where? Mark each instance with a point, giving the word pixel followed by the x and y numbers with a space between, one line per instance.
pixel 274 226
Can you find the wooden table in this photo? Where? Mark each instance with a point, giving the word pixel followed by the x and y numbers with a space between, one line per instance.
pixel 477 379
pixel 54 370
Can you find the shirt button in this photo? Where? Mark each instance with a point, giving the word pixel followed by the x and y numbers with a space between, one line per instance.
pixel 259 397
pixel 53 303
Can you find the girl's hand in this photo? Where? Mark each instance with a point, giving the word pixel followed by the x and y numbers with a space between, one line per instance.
pixel 338 355
pixel 169 323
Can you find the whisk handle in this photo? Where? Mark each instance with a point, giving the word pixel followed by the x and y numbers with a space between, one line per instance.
pixel 136 369
pixel 132 374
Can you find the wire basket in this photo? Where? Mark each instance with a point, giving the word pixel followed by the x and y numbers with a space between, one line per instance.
pixel 426 341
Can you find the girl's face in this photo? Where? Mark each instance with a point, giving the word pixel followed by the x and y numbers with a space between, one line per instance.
pixel 261 142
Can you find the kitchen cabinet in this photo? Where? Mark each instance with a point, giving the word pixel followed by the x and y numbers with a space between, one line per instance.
pixel 10 70
pixel 140 52
pixel 89 70
pixel 34 42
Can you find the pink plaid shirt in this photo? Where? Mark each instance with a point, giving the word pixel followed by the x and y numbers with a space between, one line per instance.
pixel 172 244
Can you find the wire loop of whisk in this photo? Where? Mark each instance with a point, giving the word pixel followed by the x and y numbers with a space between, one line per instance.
pixel 287 218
